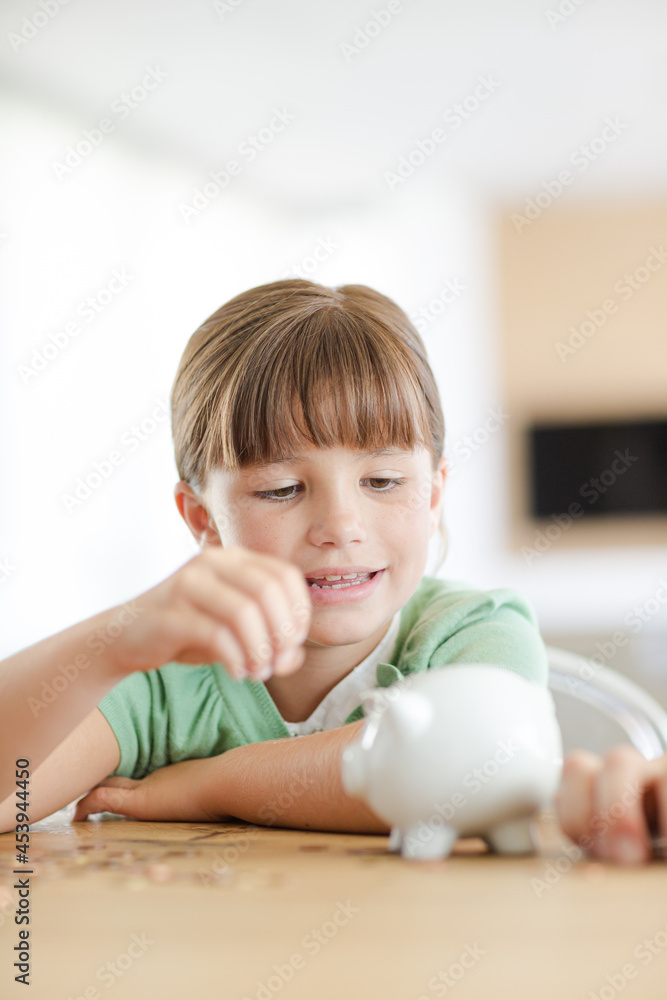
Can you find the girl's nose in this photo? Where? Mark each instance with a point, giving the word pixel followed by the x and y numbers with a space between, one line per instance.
pixel 337 524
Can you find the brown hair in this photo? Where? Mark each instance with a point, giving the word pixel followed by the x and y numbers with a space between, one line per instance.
pixel 349 355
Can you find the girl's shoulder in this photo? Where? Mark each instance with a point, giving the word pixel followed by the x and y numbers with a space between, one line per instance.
pixel 450 621
pixel 459 599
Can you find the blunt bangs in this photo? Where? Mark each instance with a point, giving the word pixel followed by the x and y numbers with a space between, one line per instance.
pixel 294 363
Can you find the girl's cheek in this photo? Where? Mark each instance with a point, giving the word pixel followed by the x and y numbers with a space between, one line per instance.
pixel 413 515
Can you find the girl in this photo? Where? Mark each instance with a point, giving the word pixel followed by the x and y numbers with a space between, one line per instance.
pixel 309 438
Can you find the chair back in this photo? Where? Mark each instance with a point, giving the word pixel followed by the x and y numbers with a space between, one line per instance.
pixel 597 708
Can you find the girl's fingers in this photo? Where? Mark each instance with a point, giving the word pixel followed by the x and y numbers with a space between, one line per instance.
pixel 575 798
pixel 653 801
pixel 621 829
pixel 280 593
pixel 614 804
pixel 85 808
pixel 659 791
pixel 296 588
pixel 198 638
pixel 230 608
pixel 203 639
pixel 106 799
pixel 239 608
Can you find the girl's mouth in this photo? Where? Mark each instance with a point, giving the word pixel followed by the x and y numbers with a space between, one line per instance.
pixel 325 584
pixel 337 591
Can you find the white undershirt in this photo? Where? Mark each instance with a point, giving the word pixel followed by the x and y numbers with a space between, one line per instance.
pixel 335 707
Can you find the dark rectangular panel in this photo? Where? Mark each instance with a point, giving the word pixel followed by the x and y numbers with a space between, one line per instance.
pixel 605 468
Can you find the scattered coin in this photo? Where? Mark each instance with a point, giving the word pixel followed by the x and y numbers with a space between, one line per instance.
pixel 159 873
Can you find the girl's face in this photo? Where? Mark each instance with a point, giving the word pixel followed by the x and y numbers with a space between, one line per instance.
pixel 327 509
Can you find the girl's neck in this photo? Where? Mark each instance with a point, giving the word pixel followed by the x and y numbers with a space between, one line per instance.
pixel 297 696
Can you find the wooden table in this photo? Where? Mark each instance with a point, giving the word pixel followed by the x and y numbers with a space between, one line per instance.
pixel 124 909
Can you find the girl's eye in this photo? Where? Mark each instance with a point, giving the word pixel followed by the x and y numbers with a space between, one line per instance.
pixel 270 494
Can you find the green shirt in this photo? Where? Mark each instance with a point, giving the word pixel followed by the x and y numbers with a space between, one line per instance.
pixel 180 712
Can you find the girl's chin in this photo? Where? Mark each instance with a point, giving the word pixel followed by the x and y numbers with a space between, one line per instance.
pixel 324 638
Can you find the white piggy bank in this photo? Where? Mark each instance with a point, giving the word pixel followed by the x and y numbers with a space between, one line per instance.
pixel 471 750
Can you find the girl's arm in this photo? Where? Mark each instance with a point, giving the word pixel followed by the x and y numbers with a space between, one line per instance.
pixel 293 782
pixel 86 756
pixel 236 604
pixel 49 688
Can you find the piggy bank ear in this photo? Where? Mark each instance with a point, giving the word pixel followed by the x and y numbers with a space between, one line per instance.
pixel 409 715
pixel 371 700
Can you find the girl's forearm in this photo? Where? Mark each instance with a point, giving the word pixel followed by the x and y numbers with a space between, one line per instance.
pixel 47 689
pixel 289 782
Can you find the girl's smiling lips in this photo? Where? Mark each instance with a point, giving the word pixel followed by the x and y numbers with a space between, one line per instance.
pixel 319 574
pixel 345 591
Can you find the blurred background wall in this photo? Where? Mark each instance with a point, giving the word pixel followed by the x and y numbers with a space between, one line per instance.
pixel 160 157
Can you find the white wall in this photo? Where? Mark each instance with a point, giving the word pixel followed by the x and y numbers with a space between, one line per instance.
pixel 64 242
pixel 60 241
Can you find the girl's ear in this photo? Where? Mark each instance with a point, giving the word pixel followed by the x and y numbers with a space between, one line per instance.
pixel 196 516
pixel 437 490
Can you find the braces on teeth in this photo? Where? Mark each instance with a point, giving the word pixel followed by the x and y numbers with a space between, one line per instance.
pixel 339 586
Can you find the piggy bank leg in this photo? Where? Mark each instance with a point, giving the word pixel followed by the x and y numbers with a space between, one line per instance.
pixel 513 837
pixel 438 845
pixel 395 840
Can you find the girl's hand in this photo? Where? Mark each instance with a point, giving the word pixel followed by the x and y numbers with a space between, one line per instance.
pixel 170 793
pixel 242 608
pixel 613 806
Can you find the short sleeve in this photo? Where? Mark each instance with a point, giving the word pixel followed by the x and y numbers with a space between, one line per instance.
pixel 501 629
pixel 164 716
